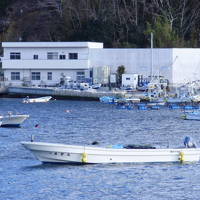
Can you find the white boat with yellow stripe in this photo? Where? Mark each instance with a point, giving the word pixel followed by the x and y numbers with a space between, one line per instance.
pixel 61 153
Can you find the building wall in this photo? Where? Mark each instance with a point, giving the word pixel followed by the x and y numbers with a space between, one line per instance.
pixel 25 75
pixel 45 64
pixel 177 65
pixel 186 65
pixel 28 52
pixel 28 64
pixel 136 61
pixel 27 61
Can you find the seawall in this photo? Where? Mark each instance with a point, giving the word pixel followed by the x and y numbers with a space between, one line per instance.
pixel 61 93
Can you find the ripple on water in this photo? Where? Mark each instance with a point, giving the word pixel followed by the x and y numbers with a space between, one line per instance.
pixel 23 177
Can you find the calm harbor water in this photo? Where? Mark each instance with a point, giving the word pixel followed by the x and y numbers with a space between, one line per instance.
pixel 23 177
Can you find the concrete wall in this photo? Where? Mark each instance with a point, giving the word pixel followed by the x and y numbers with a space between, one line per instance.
pixel 186 65
pixel 27 64
pixel 86 94
pixel 177 65
pixel 56 75
pixel 136 61
pixel 45 64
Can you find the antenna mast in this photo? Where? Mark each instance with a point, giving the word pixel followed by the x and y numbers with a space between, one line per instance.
pixel 151 55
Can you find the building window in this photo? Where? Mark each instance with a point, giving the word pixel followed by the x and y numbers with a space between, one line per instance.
pixel 73 56
pixel 128 79
pixel 62 57
pixel 49 76
pixel 80 76
pixel 15 56
pixel 35 76
pixel 35 57
pixel 15 76
pixel 52 55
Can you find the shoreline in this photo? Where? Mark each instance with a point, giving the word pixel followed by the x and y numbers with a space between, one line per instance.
pixel 57 93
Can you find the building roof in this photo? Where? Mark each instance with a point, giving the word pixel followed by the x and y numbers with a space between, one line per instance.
pixel 53 44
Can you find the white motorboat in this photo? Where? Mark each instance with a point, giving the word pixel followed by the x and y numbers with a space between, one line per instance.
pixel 96 86
pixel 61 153
pixel 195 115
pixel 132 100
pixel 37 100
pixel 12 120
pixel 156 104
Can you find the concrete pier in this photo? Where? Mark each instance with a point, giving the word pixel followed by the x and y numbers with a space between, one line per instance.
pixel 62 93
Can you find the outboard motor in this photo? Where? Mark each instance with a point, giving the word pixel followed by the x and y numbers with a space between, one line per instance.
pixel 189 143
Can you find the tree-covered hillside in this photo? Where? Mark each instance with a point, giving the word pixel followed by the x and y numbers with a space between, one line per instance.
pixel 117 23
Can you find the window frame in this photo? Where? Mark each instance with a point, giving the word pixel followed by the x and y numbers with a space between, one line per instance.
pixel 62 57
pixel 15 55
pixel 15 76
pixel 35 76
pixel 80 76
pixel 49 76
pixel 52 55
pixel 35 57
pixel 73 56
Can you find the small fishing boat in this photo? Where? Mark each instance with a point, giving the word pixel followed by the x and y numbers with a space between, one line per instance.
pixel 61 153
pixel 11 120
pixel 37 100
pixel 195 115
pixel 132 100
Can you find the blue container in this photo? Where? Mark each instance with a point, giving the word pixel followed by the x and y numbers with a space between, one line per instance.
pixel 174 107
pixel 188 107
pixel 155 107
pixel 142 108
pixel 121 107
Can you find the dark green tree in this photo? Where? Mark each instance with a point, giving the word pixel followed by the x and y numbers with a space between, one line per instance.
pixel 164 36
pixel 120 71
pixel 3 5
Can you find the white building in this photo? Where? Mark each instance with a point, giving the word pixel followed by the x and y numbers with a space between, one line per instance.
pixel 179 66
pixel 48 62
pixel 130 80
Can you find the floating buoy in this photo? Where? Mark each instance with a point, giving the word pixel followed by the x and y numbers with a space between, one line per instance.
pixel 84 158
pixel 67 111
pixel 181 157
pixel 183 116
pixel 94 143
pixel 37 126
